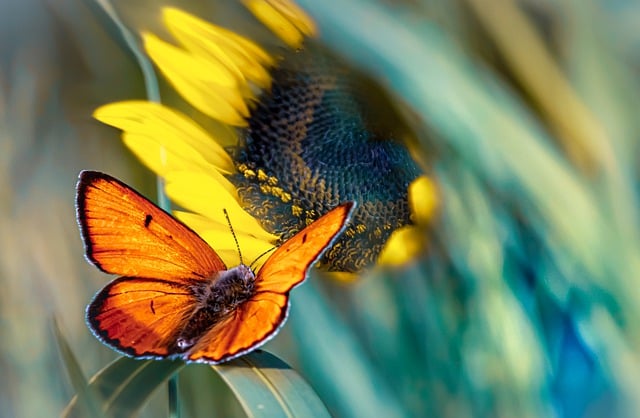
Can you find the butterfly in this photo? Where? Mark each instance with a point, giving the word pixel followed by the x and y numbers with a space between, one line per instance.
pixel 176 298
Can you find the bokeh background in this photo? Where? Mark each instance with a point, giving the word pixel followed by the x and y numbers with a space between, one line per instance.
pixel 523 301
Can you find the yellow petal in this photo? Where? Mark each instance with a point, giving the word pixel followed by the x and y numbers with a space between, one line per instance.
pixel 284 18
pixel 296 15
pixel 403 245
pixel 156 157
pixel 407 242
pixel 204 39
pixel 219 237
pixel 204 194
pixel 423 200
pixel 153 131
pixel 209 86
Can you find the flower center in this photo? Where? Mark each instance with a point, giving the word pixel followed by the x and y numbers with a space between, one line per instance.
pixel 314 142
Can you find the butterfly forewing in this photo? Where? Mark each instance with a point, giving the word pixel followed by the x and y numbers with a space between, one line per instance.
pixel 289 264
pixel 258 319
pixel 126 234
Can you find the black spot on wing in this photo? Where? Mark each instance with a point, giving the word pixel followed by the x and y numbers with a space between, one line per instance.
pixel 304 238
pixel 147 220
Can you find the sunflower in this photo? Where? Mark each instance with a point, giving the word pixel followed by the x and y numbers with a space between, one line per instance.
pixel 293 141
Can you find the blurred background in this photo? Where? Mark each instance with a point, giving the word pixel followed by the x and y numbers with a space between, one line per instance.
pixel 523 300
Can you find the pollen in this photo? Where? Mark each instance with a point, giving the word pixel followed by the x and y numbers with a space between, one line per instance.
pixel 277 192
pixel 250 174
pixel 262 176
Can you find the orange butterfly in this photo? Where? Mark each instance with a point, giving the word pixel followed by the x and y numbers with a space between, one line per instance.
pixel 177 299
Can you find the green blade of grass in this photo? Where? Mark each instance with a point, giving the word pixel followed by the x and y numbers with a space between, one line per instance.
pixel 86 401
pixel 263 384
pixel 266 386
pixel 125 385
pixel 108 14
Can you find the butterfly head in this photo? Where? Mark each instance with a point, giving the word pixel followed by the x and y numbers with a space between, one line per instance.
pixel 235 285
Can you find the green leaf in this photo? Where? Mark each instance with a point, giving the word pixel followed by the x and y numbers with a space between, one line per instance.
pixel 266 386
pixel 125 385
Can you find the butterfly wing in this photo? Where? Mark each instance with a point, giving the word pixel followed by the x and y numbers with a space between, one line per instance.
pixel 160 257
pixel 126 234
pixel 289 264
pixel 140 317
pixel 255 321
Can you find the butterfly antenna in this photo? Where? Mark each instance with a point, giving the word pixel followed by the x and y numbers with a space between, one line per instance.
pixel 233 233
pixel 260 256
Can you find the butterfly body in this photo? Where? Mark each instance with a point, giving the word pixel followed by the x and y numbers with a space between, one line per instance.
pixel 227 290
pixel 216 299
pixel 176 297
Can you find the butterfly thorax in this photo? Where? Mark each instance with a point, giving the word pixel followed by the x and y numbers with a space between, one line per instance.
pixel 226 289
pixel 216 298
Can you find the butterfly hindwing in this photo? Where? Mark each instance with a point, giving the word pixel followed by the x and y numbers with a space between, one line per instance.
pixel 126 234
pixel 140 317
pixel 251 325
